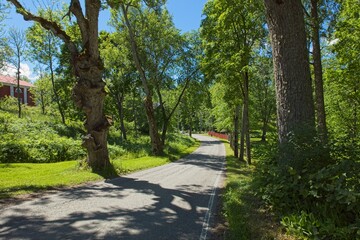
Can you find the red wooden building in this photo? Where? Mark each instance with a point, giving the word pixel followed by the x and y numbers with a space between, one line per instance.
pixel 8 87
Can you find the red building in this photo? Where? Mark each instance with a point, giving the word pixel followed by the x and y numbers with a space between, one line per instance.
pixel 8 87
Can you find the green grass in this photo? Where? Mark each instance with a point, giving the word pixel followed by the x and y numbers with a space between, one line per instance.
pixel 25 178
pixel 243 210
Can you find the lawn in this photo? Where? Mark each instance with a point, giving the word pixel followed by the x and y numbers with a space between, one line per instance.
pixel 24 178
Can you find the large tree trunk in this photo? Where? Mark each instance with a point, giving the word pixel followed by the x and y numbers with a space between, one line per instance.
pixel 319 89
pixel 89 92
pixel 295 106
pixel 89 95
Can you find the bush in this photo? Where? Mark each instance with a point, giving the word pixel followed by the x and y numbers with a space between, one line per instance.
pixel 315 201
pixel 37 139
pixel 12 152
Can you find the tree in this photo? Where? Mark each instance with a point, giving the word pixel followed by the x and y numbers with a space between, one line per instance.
pixel 119 71
pixel 230 30
pixel 42 92
pixel 4 51
pixel 342 74
pixel 263 92
pixel 318 72
pixel 158 51
pixel 295 106
pixel 17 45
pixel 89 90
pixel 44 48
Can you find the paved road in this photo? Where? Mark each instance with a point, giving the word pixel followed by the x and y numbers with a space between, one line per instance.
pixel 173 201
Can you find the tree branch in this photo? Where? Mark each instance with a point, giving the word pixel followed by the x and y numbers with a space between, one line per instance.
pixel 51 26
pixel 188 78
pixel 75 8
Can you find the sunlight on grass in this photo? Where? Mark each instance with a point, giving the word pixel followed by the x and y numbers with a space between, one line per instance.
pixel 21 178
pixel 24 178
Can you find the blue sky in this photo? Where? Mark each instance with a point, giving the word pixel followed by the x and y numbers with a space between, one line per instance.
pixel 186 16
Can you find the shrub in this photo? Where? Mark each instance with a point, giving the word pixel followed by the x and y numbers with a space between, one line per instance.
pixel 315 201
pixel 13 152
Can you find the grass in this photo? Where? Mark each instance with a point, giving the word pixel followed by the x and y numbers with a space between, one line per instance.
pixel 245 213
pixel 24 178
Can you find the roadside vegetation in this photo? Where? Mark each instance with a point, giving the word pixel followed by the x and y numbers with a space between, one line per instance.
pixel 244 210
pixel 285 72
pixel 38 153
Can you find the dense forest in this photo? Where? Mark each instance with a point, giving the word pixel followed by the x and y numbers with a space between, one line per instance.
pixel 280 77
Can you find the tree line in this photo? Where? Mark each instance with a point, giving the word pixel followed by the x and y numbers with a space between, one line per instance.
pixel 271 69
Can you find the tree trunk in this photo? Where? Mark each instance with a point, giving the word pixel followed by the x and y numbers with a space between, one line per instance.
pixel 89 95
pixel 57 99
pixel 134 112
pixel 42 102
pixel 119 103
pixel 294 100
pixel 190 126
pixel 157 147
pixel 295 106
pixel 89 91
pixel 265 121
pixel 236 131
pixel 246 117
pixel 18 90
pixel 319 89
pixel 242 135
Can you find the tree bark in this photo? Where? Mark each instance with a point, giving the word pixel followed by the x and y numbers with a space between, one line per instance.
pixel 295 106
pixel 318 74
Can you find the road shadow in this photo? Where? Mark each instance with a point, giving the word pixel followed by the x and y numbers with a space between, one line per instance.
pixel 162 219
pixel 168 213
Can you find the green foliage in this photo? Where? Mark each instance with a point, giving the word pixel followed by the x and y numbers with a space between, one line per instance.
pixel 342 67
pixel 315 201
pixel 36 138
pixel 243 209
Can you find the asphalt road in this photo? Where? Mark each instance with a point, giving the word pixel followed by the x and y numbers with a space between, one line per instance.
pixel 174 201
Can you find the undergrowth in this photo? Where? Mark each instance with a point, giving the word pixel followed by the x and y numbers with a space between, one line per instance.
pixel 315 201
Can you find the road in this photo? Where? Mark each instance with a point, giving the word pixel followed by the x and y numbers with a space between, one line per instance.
pixel 173 201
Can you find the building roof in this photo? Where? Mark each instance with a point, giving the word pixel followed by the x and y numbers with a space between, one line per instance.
pixel 13 81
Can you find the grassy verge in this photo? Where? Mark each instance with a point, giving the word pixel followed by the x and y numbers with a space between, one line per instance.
pixel 243 210
pixel 25 178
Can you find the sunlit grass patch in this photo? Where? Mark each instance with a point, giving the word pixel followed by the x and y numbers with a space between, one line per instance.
pixel 25 178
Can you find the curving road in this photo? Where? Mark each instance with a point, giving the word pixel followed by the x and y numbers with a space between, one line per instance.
pixel 174 201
